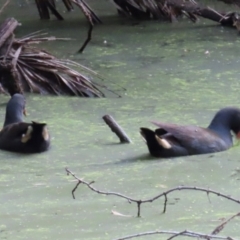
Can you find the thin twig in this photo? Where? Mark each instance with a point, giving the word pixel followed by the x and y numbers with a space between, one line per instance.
pixel 75 189
pixel 139 201
pixel 89 37
pixel 219 228
pixel 175 233
pixel 4 5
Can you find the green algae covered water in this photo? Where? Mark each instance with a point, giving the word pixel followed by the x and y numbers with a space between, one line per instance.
pixel 181 73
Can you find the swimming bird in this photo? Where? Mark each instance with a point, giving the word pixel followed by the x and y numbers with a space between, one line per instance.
pixel 172 140
pixel 19 136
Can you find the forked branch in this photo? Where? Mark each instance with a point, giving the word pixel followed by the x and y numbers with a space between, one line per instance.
pixel 177 234
pixel 139 202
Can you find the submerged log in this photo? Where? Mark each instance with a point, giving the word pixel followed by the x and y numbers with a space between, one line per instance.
pixel 116 128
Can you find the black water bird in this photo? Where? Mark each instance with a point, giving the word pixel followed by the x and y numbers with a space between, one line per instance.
pixel 172 140
pixel 19 136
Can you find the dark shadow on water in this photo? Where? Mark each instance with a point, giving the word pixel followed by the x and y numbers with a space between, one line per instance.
pixel 15 156
pixel 113 143
pixel 133 159
pixel 142 157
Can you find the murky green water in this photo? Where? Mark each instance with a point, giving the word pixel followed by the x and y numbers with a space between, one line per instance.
pixel 169 76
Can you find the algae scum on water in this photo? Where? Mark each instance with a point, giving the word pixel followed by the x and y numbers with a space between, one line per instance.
pixel 180 73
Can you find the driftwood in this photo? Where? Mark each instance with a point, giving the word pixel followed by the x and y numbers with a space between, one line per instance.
pixel 116 128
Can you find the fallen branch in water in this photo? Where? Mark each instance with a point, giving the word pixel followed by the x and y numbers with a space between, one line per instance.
pixel 139 202
pixel 116 128
pixel 177 234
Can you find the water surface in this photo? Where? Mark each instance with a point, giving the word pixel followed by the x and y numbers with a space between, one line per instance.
pixel 180 73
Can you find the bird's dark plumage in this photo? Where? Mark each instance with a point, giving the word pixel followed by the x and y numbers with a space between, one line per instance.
pixel 15 109
pixel 172 140
pixel 19 136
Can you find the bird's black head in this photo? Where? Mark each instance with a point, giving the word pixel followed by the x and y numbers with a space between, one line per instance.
pixel 235 122
pixel 227 119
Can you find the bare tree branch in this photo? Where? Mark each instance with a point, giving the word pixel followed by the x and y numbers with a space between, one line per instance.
pixel 175 234
pixel 219 228
pixel 139 201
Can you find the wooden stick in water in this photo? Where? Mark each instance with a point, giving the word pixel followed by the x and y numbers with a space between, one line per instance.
pixel 116 128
